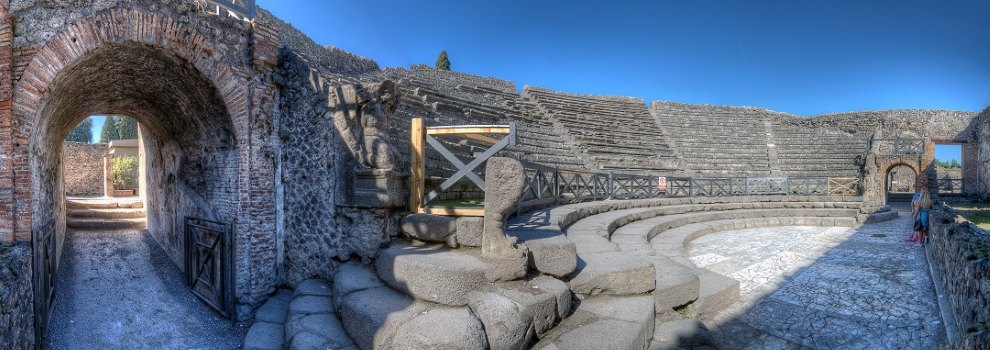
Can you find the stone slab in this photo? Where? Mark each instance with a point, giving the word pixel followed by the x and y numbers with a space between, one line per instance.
pixel 614 273
pixel 432 273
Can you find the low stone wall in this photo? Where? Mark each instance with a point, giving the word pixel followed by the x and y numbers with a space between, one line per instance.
pixel 961 254
pixel 16 310
pixel 83 164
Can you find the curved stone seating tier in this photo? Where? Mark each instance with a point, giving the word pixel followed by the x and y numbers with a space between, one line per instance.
pixel 717 140
pixel 817 151
pixel 616 132
pixel 628 249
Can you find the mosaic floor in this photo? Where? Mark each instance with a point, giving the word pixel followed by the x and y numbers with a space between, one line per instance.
pixel 824 288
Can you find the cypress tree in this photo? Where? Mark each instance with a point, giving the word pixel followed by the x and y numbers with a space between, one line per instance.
pixel 443 63
pixel 83 132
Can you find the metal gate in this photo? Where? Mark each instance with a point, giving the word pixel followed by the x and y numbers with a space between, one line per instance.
pixel 45 253
pixel 208 257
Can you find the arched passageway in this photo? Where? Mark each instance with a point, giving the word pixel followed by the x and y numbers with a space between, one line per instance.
pixel 189 150
pixel 900 184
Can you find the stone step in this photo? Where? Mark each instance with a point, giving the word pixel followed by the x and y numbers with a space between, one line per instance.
pixel 114 213
pixel 430 228
pixel 681 334
pixel 613 273
pixel 604 323
pixel 550 252
pixel 106 224
pixel 432 272
pixel 382 318
pixel 312 322
pixel 268 330
pixel 717 292
pixel 516 313
pixel 677 285
pixel 102 203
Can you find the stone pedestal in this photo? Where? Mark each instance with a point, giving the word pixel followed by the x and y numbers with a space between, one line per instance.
pixel 376 188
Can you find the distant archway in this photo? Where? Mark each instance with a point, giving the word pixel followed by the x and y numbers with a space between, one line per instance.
pixel 900 183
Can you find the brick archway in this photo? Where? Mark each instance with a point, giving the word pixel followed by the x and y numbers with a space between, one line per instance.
pixel 887 163
pixel 102 30
pixel 227 61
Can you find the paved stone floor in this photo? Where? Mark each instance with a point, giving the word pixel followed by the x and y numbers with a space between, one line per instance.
pixel 118 290
pixel 824 288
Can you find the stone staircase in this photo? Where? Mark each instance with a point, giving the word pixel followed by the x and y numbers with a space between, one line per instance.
pixel 105 214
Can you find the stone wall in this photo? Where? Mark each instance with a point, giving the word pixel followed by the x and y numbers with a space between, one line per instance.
pixel 313 169
pixel 961 254
pixel 16 307
pixel 83 164
pixel 981 154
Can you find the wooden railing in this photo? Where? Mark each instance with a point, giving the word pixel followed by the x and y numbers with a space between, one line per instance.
pixel 423 137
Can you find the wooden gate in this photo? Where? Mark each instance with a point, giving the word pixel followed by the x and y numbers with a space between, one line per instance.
pixel 208 257
pixel 44 264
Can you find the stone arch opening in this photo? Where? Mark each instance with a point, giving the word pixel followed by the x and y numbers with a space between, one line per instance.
pixel 900 183
pixel 188 143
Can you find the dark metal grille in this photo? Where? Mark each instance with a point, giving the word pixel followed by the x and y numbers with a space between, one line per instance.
pixel 950 186
pixel 547 186
pixel 45 264
pixel 208 256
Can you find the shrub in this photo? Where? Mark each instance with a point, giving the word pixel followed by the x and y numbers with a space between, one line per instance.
pixel 125 172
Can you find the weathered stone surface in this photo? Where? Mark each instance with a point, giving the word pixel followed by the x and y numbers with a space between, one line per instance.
pixel 314 287
pixel 441 328
pixel 612 273
pixel 687 333
pixel 309 304
pixel 505 325
pixel 265 336
pixel 83 168
pixel 604 322
pixel 432 273
pixel 353 277
pixel 316 331
pixel 276 309
pixel 372 316
pixel 505 181
pixel 676 284
pixel 716 293
pixel 429 228
pixel 469 231
pixel 550 252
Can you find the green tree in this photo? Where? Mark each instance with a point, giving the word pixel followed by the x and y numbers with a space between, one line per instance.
pixel 955 164
pixel 118 128
pixel 83 132
pixel 125 172
pixel 443 63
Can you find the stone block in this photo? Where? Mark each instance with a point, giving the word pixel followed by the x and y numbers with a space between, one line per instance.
pixel 429 228
pixel 441 328
pixel 614 273
pixel 314 287
pixel 469 231
pixel 432 273
pixel 353 277
pixel 275 310
pixel 265 336
pixel 310 304
pixel 550 252
pixel 372 316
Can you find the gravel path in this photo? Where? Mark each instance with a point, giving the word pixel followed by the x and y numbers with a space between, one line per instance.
pixel 824 288
pixel 118 290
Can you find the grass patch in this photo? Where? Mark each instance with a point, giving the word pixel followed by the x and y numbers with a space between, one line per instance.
pixel 476 202
pixel 977 213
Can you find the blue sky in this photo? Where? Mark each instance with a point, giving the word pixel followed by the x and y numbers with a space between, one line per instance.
pixel 791 56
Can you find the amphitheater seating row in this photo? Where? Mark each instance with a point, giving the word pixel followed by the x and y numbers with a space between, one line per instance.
pixel 619 244
pixel 618 133
pixel 717 141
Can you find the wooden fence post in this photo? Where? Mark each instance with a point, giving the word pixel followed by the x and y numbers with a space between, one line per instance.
pixel 417 164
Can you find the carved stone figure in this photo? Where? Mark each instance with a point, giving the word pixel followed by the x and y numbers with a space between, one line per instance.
pixel 360 113
pixel 504 184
